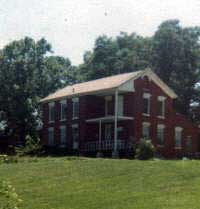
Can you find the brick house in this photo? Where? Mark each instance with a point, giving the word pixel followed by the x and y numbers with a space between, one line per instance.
pixel 108 115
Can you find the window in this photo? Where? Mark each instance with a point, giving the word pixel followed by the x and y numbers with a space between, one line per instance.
pixel 108 131
pixel 63 135
pixel 120 130
pixel 189 144
pixel 161 106
pixel 108 105
pixel 178 136
pixel 75 102
pixel 75 136
pixel 51 112
pixel 120 105
pixel 63 110
pixel 51 136
pixel 146 130
pixel 160 134
pixel 146 103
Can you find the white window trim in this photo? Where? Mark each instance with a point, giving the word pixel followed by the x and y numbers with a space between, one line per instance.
pixel 147 96
pixel 75 144
pixel 162 127
pixel 178 129
pixel 107 98
pixel 61 128
pixel 75 99
pixel 51 129
pixel 62 102
pixel 147 124
pixel 75 125
pixel 51 104
pixel 162 99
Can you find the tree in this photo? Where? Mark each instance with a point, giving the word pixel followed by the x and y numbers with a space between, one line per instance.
pixel 176 55
pixel 59 72
pixel 173 52
pixel 126 53
pixel 26 75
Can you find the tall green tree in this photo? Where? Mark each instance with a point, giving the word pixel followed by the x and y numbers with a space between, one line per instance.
pixel 125 53
pixel 176 55
pixel 173 52
pixel 26 75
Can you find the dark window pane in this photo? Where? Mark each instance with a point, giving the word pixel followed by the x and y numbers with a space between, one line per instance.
pixel 160 108
pixel 145 106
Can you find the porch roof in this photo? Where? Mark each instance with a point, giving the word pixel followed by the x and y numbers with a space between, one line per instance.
pixel 110 118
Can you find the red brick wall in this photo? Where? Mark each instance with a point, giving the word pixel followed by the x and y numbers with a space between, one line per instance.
pixel 170 121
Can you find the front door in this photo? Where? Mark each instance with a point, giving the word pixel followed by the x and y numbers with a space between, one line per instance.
pixel 108 132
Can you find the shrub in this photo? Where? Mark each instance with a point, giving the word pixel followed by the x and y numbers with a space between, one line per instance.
pixel 32 147
pixel 3 158
pixel 145 150
pixel 9 199
pixel 8 159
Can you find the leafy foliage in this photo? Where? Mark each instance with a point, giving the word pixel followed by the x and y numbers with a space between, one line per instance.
pixel 176 55
pixel 145 150
pixel 173 52
pixel 8 159
pixel 126 53
pixel 32 147
pixel 9 197
pixel 26 75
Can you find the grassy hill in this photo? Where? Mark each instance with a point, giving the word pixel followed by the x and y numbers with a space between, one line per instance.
pixel 81 183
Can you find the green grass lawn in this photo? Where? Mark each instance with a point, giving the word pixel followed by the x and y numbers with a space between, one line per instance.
pixel 84 183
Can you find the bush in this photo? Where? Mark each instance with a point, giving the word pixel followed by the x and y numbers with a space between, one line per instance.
pixel 32 147
pixel 3 158
pixel 145 150
pixel 9 199
pixel 8 159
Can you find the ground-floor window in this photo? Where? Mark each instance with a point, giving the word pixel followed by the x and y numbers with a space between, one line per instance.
pixel 63 135
pixel 51 136
pixel 146 130
pixel 188 144
pixel 108 132
pixel 160 134
pixel 120 129
pixel 75 136
pixel 178 136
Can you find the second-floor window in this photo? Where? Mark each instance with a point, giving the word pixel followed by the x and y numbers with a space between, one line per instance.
pixel 51 112
pixel 178 137
pixel 161 106
pixel 108 105
pixel 146 103
pixel 75 103
pixel 63 110
pixel 120 105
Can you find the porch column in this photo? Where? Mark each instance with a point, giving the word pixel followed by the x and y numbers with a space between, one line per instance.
pixel 115 153
pixel 100 135
pixel 99 153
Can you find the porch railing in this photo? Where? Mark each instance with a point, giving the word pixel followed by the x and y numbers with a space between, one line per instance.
pixel 105 145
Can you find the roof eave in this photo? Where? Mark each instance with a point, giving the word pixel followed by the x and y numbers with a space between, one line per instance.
pixel 46 100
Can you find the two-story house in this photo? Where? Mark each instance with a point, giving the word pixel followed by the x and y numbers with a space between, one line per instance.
pixel 108 115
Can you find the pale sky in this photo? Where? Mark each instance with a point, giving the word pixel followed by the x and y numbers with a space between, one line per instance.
pixel 72 26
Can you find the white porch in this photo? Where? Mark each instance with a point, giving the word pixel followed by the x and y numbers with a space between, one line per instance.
pixel 113 144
